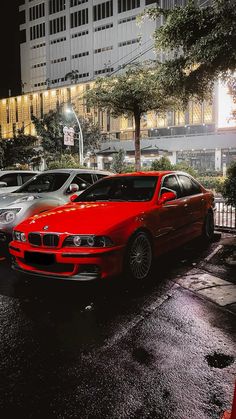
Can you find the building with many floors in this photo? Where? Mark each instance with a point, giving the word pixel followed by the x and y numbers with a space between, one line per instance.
pixel 66 40
pixel 65 44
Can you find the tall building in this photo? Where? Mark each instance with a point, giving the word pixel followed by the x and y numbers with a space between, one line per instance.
pixel 65 44
pixel 76 40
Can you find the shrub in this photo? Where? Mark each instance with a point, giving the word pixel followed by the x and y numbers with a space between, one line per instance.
pixel 67 161
pixel 161 164
pixel 229 186
pixel 213 183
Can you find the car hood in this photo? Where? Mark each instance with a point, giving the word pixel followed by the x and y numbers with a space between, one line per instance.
pixel 84 218
pixel 16 199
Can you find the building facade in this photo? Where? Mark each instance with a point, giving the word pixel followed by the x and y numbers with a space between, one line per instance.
pixel 65 44
pixel 76 40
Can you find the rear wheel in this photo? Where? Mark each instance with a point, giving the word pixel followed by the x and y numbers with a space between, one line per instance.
pixel 139 257
pixel 208 227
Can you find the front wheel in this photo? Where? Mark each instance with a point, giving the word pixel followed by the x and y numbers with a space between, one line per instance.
pixel 139 257
pixel 208 228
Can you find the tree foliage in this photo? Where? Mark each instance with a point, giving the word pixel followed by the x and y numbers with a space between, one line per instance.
pixel 65 161
pixel 21 150
pixel 229 186
pixel 132 93
pixel 201 43
pixel 118 163
pixel 50 130
pixel 161 164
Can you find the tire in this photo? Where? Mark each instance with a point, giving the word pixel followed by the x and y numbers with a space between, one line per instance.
pixel 139 258
pixel 208 228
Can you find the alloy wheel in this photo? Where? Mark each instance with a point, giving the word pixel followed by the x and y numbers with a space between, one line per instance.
pixel 140 257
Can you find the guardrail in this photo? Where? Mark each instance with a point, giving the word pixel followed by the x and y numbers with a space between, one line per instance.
pixel 225 215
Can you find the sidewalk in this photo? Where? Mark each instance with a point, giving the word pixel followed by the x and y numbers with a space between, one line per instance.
pixel 215 276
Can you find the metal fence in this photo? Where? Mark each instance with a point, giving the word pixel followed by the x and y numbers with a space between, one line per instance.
pixel 225 215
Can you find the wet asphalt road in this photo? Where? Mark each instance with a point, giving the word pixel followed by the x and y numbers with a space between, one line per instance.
pixel 112 351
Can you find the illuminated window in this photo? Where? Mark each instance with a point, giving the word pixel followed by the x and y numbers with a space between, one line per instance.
pixel 195 113
pixel 207 112
pixel 179 118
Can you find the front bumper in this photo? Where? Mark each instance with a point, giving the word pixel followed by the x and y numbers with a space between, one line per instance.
pixel 69 263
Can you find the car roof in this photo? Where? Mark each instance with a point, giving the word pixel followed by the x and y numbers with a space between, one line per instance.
pixel 6 172
pixel 151 173
pixel 90 171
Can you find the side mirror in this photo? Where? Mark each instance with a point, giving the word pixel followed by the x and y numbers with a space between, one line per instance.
pixel 167 196
pixel 73 197
pixel 3 184
pixel 73 188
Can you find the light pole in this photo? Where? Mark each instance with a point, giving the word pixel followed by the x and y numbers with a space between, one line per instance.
pixel 81 140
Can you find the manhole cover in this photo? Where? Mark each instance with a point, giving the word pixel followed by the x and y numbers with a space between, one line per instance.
pixel 218 360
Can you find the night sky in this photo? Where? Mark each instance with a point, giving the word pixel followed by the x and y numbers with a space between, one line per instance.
pixel 10 50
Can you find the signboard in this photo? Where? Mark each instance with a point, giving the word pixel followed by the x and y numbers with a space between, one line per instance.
pixel 69 136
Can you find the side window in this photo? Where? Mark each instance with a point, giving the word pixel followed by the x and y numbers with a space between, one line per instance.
pixel 189 187
pixel 99 176
pixel 10 179
pixel 25 177
pixel 170 184
pixel 83 178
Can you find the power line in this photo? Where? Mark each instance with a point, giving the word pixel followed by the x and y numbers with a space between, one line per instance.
pixel 110 74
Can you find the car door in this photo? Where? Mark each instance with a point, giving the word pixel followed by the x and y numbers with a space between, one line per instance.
pixel 192 192
pixel 171 216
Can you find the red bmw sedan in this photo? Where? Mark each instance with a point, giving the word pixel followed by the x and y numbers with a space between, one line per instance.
pixel 119 224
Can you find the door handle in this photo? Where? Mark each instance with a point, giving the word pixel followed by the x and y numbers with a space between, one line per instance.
pixel 185 205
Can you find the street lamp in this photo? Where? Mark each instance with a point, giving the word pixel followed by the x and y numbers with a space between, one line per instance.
pixel 70 110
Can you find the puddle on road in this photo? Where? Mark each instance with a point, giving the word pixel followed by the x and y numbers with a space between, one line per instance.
pixel 219 360
pixel 142 356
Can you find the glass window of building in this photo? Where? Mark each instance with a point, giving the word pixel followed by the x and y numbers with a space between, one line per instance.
pixel 56 6
pixel 125 5
pixel 79 18
pixel 103 10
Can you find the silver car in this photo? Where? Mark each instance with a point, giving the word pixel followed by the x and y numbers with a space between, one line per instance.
pixel 43 192
pixel 11 180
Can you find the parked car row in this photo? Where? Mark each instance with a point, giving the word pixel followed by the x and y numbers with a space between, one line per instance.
pixel 11 180
pixel 81 225
pixel 42 192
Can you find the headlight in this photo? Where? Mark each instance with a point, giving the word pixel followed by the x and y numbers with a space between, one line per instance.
pixel 8 216
pixel 87 241
pixel 19 236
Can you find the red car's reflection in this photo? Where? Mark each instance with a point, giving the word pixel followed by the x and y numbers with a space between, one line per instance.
pixel 120 223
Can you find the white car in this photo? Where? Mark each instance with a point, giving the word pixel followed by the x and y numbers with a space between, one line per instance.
pixel 11 180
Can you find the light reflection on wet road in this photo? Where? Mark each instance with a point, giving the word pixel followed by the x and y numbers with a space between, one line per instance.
pixel 72 350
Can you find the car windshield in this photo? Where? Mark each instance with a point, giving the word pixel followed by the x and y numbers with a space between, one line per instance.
pixel 125 188
pixel 45 182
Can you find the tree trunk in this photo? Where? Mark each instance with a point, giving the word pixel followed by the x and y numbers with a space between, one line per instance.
pixel 137 119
